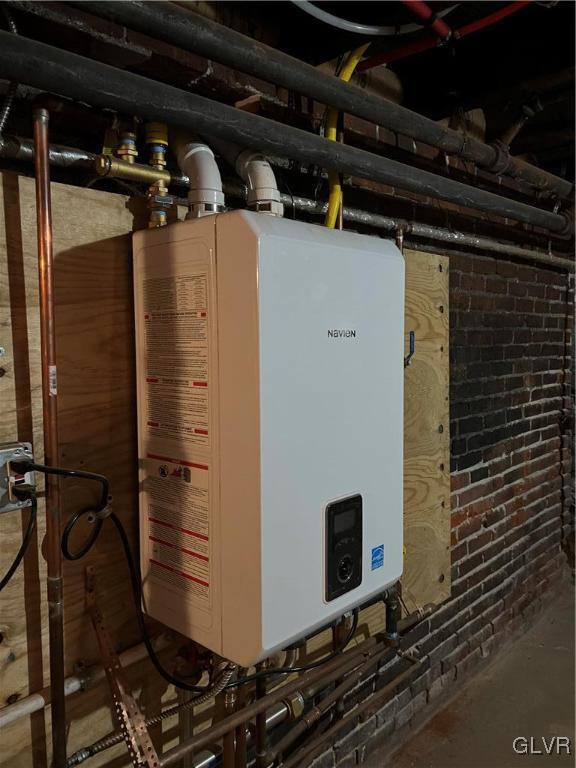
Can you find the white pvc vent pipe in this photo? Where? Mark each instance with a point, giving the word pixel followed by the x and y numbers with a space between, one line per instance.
pixel 205 196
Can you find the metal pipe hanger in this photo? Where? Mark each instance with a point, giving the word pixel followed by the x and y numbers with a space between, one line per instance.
pixel 105 86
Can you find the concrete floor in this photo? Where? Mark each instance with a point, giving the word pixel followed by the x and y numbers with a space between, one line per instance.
pixel 528 691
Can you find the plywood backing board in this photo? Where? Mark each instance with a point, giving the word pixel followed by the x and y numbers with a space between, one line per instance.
pixel 97 432
pixel 426 577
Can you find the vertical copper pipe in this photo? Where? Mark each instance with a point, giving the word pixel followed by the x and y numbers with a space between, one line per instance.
pixel 260 737
pixel 228 742
pixel 50 424
pixel 241 757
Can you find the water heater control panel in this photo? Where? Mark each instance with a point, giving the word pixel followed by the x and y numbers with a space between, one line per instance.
pixel 343 546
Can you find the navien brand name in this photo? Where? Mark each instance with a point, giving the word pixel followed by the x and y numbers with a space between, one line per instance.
pixel 341 333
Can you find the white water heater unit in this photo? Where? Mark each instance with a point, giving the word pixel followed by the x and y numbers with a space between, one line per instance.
pixel 270 407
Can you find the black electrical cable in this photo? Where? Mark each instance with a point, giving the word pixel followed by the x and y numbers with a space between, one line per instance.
pixel 99 514
pixel 24 546
pixel 305 667
pixel 95 515
pixel 137 594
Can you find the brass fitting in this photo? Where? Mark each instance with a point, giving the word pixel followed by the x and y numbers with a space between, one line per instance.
pixel 156 138
pixel 126 149
pixel 106 165
pixel 295 704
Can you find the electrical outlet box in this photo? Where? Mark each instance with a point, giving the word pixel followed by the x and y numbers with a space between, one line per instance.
pixel 270 413
pixel 14 452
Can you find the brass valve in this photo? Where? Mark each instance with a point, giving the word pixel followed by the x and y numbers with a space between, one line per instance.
pixel 126 149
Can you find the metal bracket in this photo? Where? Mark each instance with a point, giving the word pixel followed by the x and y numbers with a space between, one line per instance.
pixel 11 480
pixel 412 349
pixel 130 718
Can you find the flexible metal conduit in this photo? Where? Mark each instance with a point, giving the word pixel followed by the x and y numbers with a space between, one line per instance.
pixel 15 148
pixel 105 86
pixel 167 22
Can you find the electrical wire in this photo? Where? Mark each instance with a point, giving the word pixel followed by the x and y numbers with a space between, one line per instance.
pixel 362 29
pixel 305 667
pixel 95 515
pixel 24 546
pixel 137 595
pixel 98 515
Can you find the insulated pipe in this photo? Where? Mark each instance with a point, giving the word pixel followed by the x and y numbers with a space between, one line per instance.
pixel 50 426
pixel 22 149
pixel 205 195
pixel 192 32
pixel 106 86
pixel 12 87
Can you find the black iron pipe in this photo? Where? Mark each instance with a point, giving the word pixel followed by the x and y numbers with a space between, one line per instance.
pixel 176 26
pixel 16 148
pixel 105 86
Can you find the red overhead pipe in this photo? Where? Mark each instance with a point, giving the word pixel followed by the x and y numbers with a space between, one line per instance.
pixel 492 18
pixel 427 15
pixel 425 43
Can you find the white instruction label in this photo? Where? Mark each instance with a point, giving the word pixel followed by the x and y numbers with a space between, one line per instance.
pixel 177 357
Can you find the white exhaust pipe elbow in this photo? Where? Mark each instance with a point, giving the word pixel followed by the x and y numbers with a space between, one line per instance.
pixel 205 196
pixel 263 195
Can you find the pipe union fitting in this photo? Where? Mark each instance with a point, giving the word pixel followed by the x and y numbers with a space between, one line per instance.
pixel 295 705
pixel 503 162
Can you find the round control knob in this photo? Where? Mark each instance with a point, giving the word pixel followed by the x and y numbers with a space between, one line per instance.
pixel 345 569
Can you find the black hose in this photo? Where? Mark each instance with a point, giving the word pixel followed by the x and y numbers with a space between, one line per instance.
pixel 24 546
pixel 95 514
pixel 135 582
pixel 99 513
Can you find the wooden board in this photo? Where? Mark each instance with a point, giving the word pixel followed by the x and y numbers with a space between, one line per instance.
pixel 426 576
pixel 97 430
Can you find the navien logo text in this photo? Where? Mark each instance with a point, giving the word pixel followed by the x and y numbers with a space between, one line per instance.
pixel 342 333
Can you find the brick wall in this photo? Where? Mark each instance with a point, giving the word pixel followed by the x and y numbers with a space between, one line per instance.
pixel 511 465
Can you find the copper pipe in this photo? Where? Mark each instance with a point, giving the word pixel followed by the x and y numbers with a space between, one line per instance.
pixel 50 425
pixel 326 674
pixel 241 757
pixel 228 744
pixel 315 714
pixel 308 752
pixel 260 736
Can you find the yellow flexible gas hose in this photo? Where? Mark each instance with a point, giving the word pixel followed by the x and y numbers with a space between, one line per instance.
pixel 335 197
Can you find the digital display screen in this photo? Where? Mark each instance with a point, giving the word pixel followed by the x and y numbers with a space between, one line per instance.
pixel 344 520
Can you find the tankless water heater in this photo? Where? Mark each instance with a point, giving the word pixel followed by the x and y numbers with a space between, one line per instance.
pixel 270 400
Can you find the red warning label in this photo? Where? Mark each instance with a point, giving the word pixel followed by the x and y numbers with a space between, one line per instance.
pixel 177 495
